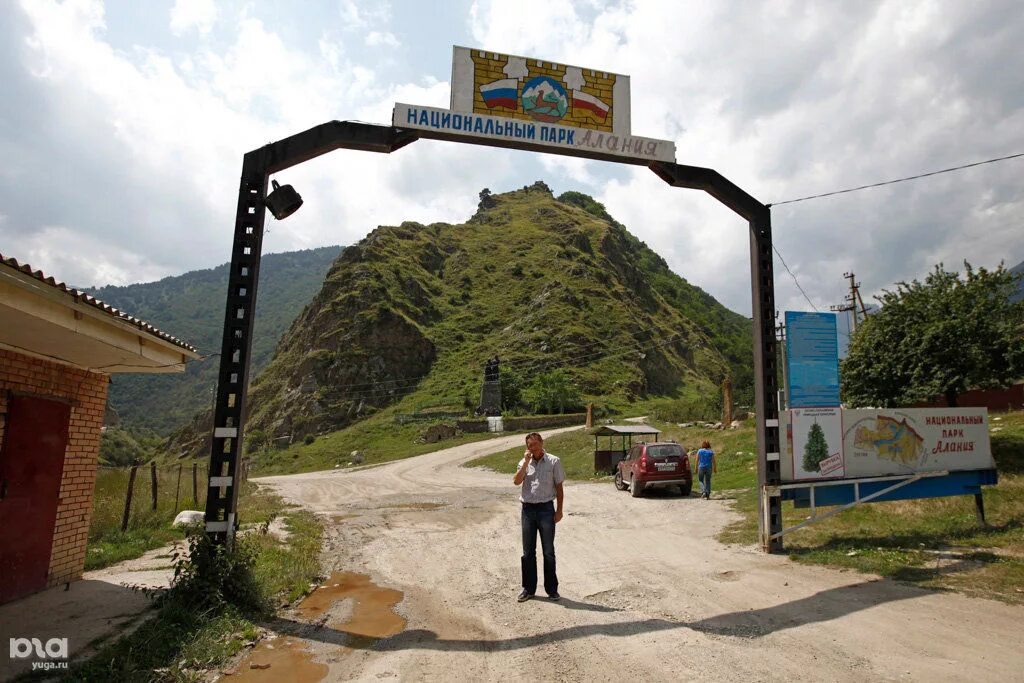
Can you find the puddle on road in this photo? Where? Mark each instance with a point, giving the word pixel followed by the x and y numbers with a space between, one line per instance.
pixel 413 506
pixel 372 617
pixel 278 660
pixel 373 614
pixel 341 518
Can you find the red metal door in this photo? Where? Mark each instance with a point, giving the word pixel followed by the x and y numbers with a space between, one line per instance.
pixel 31 464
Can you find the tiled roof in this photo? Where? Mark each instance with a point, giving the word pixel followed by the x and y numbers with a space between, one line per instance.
pixel 85 298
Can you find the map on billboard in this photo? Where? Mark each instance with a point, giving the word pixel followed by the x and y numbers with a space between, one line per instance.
pixel 889 439
pixel 875 442
pixel 917 439
pixel 812 359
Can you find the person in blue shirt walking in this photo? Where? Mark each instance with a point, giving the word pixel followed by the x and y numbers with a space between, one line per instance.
pixel 706 464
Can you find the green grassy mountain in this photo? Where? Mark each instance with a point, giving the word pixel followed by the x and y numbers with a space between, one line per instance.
pixel 408 317
pixel 191 307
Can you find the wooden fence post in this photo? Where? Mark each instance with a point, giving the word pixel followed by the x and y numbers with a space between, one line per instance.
pixel 152 476
pixel 195 484
pixel 177 488
pixel 128 499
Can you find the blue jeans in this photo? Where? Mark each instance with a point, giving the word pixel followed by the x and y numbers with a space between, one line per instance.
pixel 539 517
pixel 704 477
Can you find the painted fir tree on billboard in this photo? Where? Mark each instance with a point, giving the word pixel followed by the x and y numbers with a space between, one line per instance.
pixel 816 449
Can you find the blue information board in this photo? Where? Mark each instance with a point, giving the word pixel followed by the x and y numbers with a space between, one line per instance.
pixel 812 359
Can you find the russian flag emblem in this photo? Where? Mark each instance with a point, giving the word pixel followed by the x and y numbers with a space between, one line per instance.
pixel 501 93
pixel 581 100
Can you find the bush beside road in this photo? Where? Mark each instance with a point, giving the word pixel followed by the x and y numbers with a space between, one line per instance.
pixel 191 633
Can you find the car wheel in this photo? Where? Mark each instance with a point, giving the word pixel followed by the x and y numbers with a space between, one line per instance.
pixel 636 488
pixel 619 484
pixel 686 489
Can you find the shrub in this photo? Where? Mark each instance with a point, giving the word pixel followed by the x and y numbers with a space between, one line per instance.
pixel 212 577
pixel 553 392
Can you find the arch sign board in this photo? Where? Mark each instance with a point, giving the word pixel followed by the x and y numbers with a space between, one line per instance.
pixel 497 100
pixel 525 102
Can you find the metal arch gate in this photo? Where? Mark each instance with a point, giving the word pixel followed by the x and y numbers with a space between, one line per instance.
pixel 233 377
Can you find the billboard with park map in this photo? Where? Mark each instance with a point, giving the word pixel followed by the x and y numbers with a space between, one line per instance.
pixel 834 443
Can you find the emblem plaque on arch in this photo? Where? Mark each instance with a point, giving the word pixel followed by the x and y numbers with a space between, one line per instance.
pixel 531 102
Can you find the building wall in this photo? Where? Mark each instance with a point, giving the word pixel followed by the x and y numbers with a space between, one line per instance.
pixel 996 400
pixel 87 393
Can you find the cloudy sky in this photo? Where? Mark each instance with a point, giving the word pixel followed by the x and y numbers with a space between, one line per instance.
pixel 124 124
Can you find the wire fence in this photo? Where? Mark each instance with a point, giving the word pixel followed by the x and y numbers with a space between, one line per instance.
pixel 148 496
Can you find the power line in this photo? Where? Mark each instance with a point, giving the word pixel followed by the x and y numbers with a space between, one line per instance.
pixel 794 279
pixel 154 367
pixel 899 180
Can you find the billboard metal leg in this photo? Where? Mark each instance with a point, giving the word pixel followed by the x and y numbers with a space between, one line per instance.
pixel 979 509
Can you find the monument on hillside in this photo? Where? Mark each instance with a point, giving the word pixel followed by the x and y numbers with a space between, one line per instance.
pixel 490 392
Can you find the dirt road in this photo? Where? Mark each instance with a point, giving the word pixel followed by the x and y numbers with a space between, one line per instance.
pixel 647 594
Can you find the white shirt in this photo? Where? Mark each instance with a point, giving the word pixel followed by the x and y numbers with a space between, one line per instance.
pixel 541 477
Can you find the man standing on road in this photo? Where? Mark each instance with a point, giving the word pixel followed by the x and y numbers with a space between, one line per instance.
pixel 540 475
pixel 705 466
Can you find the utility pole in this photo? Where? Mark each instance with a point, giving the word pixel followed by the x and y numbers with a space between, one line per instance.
pixel 852 299
pixel 855 291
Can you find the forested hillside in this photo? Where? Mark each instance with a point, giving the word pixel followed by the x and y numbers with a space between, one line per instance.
pixel 191 307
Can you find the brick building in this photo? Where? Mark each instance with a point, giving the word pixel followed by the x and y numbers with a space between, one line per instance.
pixel 58 348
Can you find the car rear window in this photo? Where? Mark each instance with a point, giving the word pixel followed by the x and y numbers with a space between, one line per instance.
pixel 664 451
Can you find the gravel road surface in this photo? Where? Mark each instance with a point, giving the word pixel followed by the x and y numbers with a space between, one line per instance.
pixel 647 593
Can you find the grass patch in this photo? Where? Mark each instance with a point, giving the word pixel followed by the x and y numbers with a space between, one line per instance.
pixel 379 439
pixel 191 633
pixel 147 528
pixel 931 542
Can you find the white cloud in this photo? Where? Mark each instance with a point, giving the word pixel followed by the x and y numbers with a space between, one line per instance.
pixel 189 14
pixel 137 150
pixel 143 151
pixel 381 39
pixel 358 15
pixel 81 261
pixel 790 99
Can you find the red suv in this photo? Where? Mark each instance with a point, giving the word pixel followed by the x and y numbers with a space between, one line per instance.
pixel 654 465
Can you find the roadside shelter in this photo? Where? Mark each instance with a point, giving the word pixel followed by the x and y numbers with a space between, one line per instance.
pixel 618 440
pixel 58 348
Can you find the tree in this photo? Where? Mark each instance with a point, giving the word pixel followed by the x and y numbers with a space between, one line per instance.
pixel 552 392
pixel 815 450
pixel 939 337
pixel 487 200
pixel 511 389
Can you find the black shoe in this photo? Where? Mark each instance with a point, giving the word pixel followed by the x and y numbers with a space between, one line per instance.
pixel 524 596
pixel 554 597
